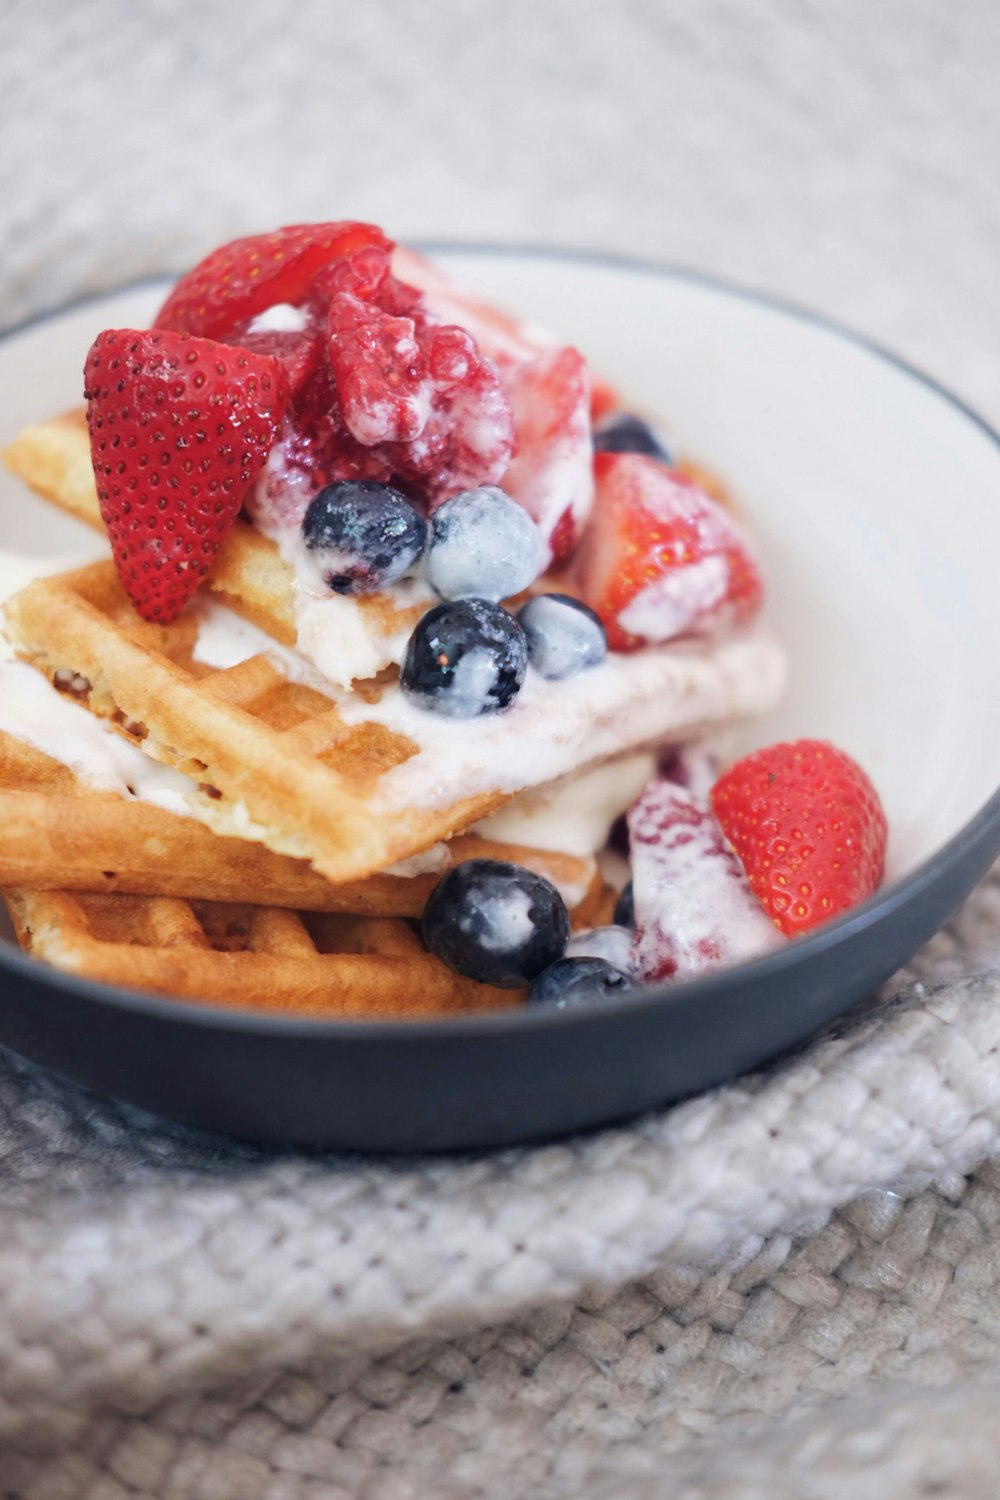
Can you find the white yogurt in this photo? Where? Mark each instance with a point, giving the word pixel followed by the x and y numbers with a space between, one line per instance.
pixel 576 813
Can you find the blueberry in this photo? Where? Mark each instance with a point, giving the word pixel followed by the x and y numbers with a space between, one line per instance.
pixel 625 908
pixel 564 636
pixel 465 658
pixel 482 546
pixel 612 944
pixel 576 981
pixel 496 922
pixel 624 433
pixel 362 536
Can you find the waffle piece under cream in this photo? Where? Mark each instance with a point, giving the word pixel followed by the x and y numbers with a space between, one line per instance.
pixel 250 957
pixel 353 782
pixel 60 834
pixel 249 575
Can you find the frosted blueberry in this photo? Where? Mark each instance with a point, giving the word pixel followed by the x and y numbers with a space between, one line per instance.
pixel 576 981
pixel 564 636
pixel 625 907
pixel 613 944
pixel 482 545
pixel 624 433
pixel 465 658
pixel 496 922
pixel 362 536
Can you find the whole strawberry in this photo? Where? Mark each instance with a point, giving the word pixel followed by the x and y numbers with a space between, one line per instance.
pixel 179 429
pixel 808 827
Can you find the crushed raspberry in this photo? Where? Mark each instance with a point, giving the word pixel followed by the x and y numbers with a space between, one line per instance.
pixel 381 390
pixel 417 391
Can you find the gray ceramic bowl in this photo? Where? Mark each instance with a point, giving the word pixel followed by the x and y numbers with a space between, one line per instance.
pixel 873 494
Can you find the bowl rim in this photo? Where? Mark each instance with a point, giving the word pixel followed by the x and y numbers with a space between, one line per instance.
pixel 981 831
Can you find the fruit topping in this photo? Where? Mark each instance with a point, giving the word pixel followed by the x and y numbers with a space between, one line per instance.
pixel 564 636
pixel 300 353
pixel 808 827
pixel 498 335
pixel 417 390
pixel 693 766
pixel 694 908
pixel 612 943
pixel 179 429
pixel 624 912
pixel 624 433
pixel 496 922
pixel 362 536
pixel 244 278
pixel 465 658
pixel 482 545
pixel 577 981
pixel 551 474
pixel 659 559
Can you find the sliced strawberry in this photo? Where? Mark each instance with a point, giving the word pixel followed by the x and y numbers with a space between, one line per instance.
pixel 552 471
pixel 694 908
pixel 245 277
pixel 661 560
pixel 808 827
pixel 179 428
pixel 299 353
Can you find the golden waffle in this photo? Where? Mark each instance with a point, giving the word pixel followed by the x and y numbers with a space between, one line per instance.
pixel 53 457
pixel 61 835
pixel 249 957
pixel 279 760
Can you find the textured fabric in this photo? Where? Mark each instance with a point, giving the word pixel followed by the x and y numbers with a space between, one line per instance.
pixel 141 1265
pixel 661 1310
pixel 851 1363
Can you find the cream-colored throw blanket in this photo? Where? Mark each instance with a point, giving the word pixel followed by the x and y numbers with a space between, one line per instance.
pixel 171 1301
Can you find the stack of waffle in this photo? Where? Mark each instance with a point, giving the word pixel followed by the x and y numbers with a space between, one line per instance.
pixel 314 829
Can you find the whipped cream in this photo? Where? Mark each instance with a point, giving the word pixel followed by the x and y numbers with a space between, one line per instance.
pixel 281 317
pixel 575 814
pixel 347 641
pixel 31 710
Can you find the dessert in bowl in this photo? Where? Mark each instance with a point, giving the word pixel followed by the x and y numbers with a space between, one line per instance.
pixel 643 1081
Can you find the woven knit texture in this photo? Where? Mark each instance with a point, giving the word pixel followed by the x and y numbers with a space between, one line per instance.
pixel 788 1288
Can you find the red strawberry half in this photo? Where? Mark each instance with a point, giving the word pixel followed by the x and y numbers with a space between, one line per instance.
pixel 244 278
pixel 808 827
pixel 300 353
pixel 179 429
pixel 660 560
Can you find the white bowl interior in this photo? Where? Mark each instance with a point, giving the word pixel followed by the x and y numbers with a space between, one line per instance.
pixel 873 499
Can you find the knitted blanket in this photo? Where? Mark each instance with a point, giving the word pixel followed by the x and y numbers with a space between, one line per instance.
pixel 143 1265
